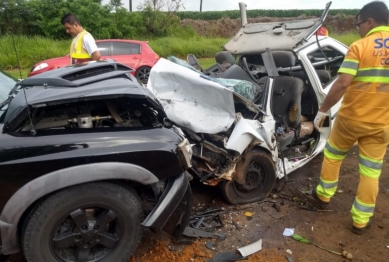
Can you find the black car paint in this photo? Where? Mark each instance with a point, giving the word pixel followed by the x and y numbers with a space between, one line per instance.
pixel 33 165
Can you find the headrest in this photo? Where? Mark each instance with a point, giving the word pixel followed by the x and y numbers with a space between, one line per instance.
pixel 284 58
pixel 224 57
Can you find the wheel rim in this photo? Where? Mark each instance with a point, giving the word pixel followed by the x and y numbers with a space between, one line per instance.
pixel 143 75
pixel 88 234
pixel 255 180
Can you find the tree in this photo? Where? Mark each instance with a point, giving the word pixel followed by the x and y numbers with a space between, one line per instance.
pixel 116 3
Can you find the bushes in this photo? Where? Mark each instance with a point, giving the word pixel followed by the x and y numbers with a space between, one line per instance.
pixel 234 14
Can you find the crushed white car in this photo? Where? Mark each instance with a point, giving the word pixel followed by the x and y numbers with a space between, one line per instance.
pixel 249 118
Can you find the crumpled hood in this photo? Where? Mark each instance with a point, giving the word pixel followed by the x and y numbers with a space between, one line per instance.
pixel 190 100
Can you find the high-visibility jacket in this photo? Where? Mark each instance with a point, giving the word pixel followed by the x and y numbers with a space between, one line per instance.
pixel 367 97
pixel 77 51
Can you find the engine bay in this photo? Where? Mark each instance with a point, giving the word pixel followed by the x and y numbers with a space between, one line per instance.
pixel 103 113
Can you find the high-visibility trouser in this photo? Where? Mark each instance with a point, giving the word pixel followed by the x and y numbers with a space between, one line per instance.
pixel 372 140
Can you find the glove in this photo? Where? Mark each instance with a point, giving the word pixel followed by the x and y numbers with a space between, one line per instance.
pixel 319 120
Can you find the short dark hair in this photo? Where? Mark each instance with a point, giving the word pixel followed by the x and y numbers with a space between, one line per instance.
pixel 70 19
pixel 376 10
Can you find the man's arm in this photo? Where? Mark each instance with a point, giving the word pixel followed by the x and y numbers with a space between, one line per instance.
pixel 337 91
pixel 96 55
pixel 89 44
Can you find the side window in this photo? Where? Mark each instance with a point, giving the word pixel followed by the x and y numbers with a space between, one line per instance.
pixel 122 48
pixel 326 62
pixel 104 48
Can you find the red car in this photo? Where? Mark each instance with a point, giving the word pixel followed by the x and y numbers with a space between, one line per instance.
pixel 135 54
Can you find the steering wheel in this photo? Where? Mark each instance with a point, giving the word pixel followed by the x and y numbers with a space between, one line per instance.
pixel 246 68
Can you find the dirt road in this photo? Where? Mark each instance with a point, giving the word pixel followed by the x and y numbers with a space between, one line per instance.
pixel 328 229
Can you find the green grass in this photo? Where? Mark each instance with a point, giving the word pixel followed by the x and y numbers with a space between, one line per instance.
pixel 30 50
pixel 34 49
pixel 347 39
pixel 15 73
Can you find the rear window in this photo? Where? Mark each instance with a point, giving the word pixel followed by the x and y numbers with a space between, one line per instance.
pixel 122 48
pixel 104 48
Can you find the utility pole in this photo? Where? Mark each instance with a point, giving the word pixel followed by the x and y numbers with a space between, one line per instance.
pixel 130 5
pixel 201 5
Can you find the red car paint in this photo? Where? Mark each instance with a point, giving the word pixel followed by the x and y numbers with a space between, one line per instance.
pixel 132 53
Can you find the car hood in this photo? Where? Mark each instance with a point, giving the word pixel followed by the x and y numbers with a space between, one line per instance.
pixel 195 101
pixel 254 38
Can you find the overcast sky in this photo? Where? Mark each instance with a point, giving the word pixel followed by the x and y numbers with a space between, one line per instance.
pixel 218 5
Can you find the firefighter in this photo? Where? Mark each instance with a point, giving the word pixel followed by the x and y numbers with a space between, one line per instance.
pixel 363 117
pixel 83 47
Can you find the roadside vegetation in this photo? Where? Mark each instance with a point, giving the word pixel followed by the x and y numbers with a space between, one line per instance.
pixel 39 35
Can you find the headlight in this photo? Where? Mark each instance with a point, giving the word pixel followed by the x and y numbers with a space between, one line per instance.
pixel 40 66
pixel 185 153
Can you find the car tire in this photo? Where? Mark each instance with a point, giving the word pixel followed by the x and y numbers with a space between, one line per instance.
pixel 101 218
pixel 143 73
pixel 253 180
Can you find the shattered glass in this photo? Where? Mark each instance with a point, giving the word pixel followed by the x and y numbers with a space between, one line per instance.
pixel 241 87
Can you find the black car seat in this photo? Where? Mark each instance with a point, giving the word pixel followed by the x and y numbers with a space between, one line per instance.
pixel 286 100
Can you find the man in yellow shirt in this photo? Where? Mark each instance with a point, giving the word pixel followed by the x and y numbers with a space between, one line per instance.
pixel 83 47
pixel 363 117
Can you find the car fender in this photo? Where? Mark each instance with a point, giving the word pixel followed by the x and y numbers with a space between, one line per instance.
pixel 46 184
pixel 245 131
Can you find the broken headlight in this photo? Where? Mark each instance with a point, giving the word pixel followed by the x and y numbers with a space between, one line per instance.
pixel 184 154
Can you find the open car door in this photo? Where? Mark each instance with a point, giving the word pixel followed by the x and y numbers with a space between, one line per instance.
pixel 256 37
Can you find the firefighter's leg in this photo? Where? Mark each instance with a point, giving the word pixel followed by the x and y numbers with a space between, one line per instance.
pixel 372 149
pixel 339 143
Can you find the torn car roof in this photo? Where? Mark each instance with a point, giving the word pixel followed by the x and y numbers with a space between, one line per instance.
pixel 254 38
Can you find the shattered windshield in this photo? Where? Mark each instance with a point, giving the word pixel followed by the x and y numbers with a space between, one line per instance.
pixel 6 85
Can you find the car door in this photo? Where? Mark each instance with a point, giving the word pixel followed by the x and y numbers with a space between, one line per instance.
pixel 127 53
pixel 316 62
pixel 105 49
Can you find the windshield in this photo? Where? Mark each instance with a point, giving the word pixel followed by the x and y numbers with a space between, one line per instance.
pixel 6 84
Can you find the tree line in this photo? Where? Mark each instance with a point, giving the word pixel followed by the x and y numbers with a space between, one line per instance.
pixel 153 18
pixel 43 18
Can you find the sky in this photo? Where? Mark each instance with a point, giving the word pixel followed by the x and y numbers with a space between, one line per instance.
pixel 219 5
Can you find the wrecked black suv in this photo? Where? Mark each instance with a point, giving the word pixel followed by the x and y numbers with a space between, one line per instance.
pixel 87 156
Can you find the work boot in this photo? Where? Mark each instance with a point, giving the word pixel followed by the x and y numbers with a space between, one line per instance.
pixel 361 230
pixel 320 202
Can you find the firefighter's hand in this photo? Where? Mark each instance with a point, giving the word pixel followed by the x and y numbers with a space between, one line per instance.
pixel 319 120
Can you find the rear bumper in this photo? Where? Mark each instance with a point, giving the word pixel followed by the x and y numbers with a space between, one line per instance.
pixel 172 212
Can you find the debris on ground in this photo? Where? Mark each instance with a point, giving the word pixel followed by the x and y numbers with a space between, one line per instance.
pixel 289 251
pixel 251 249
pixel 210 246
pixel 344 253
pixel 288 232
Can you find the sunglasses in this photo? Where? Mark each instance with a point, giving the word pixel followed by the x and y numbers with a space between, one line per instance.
pixel 358 24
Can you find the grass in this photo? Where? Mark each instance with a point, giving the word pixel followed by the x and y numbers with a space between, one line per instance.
pixel 34 49
pixel 15 73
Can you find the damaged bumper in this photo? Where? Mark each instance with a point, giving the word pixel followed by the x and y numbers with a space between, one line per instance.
pixel 172 212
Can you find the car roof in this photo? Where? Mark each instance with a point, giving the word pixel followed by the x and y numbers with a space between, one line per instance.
pixel 122 40
pixel 254 38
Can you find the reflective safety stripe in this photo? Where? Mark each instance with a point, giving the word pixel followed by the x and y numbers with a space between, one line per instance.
pixel 370 163
pixel 373 72
pixel 372 79
pixel 334 153
pixel 367 208
pixel 370 167
pixel 326 188
pixel 348 71
pixel 349 66
pixel 326 184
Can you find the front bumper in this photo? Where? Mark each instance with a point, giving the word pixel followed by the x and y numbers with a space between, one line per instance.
pixel 172 212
